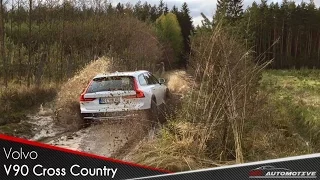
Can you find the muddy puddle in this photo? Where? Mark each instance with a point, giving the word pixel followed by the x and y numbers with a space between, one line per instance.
pixel 110 138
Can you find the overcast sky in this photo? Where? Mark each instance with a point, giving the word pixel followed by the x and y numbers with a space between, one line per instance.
pixel 197 6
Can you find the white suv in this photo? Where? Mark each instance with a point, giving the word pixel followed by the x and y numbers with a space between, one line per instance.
pixel 120 92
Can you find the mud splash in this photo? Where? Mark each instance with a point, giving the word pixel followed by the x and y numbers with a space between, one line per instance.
pixel 116 138
pixel 67 102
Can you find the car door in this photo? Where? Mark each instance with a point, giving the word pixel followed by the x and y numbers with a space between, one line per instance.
pixel 154 87
pixel 160 88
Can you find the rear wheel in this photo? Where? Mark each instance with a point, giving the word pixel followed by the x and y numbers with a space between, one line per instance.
pixel 158 113
pixel 86 122
pixel 163 108
pixel 153 112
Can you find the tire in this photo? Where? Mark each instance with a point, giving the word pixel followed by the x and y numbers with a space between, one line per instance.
pixel 168 94
pixel 164 109
pixel 154 112
pixel 160 112
pixel 85 122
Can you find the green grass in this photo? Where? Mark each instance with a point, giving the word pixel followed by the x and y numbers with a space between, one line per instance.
pixel 296 94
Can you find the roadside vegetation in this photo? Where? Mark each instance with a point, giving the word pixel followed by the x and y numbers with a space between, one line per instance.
pixel 236 111
pixel 211 124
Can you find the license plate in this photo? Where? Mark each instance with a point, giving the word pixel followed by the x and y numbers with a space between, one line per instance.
pixel 112 100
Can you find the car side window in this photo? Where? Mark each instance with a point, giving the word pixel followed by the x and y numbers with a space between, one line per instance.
pixel 149 79
pixel 142 80
pixel 154 78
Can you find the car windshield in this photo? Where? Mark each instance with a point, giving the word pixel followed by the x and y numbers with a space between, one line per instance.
pixel 116 83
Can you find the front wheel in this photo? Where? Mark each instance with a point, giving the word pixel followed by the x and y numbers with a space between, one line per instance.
pixel 168 94
pixel 153 113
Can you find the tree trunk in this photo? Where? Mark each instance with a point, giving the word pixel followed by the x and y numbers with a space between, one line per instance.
pixel 319 50
pixel 62 43
pixel 40 67
pixel 281 45
pixel 296 51
pixel 2 45
pixel 29 43
pixel 19 45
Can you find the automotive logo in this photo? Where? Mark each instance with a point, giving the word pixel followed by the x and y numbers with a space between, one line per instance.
pixel 274 172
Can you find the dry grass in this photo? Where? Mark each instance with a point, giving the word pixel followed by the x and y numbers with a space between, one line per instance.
pixel 273 127
pixel 17 102
pixel 20 98
pixel 67 102
pixel 179 82
pixel 209 128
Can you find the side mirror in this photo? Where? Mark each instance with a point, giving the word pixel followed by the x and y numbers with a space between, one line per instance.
pixel 162 81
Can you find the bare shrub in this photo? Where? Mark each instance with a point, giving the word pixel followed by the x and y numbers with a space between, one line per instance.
pixel 67 101
pixel 133 44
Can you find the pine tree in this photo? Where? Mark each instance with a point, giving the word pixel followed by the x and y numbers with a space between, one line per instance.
pixel 110 9
pixel 222 10
pixel 175 10
pixel 235 10
pixel 153 13
pixel 229 10
pixel 161 8
pixel 206 23
pixel 166 9
pixel 137 10
pixel 187 29
pixel 120 8
pixel 146 11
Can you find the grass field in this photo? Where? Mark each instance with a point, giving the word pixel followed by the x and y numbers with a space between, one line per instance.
pixel 296 96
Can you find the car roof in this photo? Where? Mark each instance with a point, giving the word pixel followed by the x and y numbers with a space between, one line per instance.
pixel 127 73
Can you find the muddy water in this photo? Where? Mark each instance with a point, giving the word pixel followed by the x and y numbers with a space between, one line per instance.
pixel 110 138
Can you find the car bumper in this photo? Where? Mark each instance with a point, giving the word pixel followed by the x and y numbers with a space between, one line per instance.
pixel 111 115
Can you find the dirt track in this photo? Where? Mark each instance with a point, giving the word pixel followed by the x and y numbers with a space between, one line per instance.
pixel 110 138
